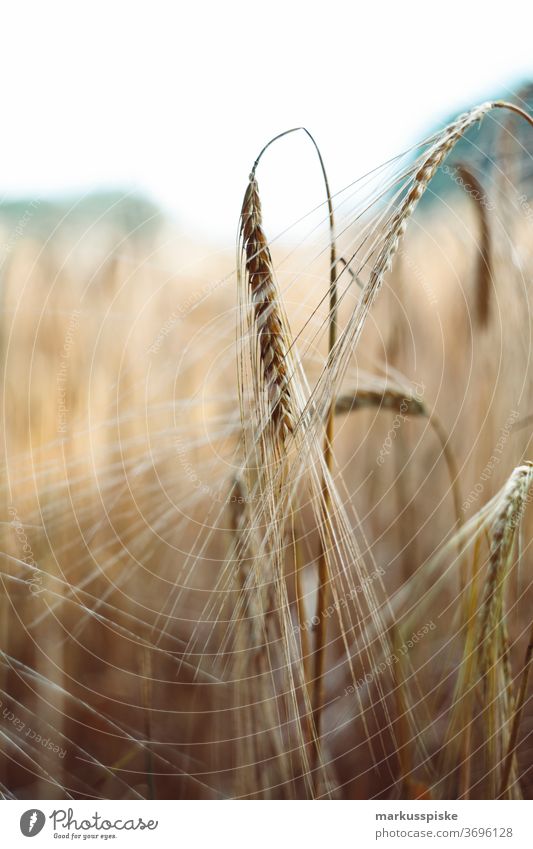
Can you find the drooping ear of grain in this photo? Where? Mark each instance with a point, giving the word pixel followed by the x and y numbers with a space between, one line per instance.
pixel 479 744
pixel 502 535
pixel 423 176
pixel 494 663
pixel 397 400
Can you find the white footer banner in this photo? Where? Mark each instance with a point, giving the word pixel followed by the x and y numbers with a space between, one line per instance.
pixel 267 825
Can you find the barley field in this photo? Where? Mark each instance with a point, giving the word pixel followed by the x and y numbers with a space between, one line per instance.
pixel 266 530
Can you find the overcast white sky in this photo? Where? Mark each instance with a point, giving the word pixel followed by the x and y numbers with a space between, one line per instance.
pixel 177 98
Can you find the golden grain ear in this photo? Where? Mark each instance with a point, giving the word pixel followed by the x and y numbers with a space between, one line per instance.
pixel 271 337
pixel 485 713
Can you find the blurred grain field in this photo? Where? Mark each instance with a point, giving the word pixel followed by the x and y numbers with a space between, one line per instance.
pixel 151 644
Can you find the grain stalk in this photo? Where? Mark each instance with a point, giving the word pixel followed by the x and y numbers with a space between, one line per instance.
pixel 146 683
pixel 475 190
pixel 251 652
pixel 520 702
pixel 260 277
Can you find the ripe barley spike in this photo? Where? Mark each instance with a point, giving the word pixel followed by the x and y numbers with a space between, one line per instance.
pixel 269 324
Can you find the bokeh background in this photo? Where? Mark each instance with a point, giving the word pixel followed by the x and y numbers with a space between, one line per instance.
pixel 129 133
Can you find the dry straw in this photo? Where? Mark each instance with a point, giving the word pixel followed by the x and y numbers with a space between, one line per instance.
pixel 475 190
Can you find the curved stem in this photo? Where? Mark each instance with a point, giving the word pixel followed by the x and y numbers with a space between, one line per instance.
pixel 449 459
pixel 504 104
pixel 453 473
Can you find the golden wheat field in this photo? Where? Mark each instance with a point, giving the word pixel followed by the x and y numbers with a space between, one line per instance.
pixel 266 530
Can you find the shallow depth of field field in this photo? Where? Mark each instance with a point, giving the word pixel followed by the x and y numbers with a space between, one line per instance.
pixel 238 561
